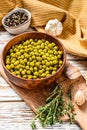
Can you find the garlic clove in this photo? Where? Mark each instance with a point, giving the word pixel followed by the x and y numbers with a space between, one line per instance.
pixel 55 22
pixel 47 27
pixel 50 22
pixel 59 28
pixel 79 98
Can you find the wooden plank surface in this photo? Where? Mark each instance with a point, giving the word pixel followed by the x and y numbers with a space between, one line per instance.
pixel 17 115
pixel 14 113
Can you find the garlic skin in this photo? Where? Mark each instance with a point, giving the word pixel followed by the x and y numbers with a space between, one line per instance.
pixel 54 27
pixel 79 98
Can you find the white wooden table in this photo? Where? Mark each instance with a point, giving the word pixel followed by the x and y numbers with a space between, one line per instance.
pixel 14 112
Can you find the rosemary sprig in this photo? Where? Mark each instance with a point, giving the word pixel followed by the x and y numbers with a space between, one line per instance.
pixel 55 108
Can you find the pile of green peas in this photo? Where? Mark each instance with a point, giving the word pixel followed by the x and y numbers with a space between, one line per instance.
pixel 34 58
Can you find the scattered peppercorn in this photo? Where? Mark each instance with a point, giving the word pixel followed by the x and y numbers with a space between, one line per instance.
pixel 16 19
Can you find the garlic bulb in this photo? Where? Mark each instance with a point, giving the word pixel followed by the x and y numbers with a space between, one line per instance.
pixel 54 27
pixel 79 98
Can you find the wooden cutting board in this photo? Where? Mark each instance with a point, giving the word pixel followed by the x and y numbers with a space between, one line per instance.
pixel 37 97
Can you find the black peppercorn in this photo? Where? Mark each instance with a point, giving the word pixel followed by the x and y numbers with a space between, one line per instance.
pixel 16 19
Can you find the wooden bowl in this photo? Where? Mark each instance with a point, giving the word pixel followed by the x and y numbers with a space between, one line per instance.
pixel 32 83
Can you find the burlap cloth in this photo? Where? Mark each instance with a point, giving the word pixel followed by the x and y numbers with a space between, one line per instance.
pixel 72 14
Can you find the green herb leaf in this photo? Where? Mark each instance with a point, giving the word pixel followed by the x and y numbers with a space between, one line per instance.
pixel 55 108
pixel 33 125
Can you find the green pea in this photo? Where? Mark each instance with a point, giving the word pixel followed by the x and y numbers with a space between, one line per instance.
pixel 28 63
pixel 34 77
pixel 26 55
pixel 32 63
pixel 56 48
pixel 16 63
pixel 60 52
pixel 12 55
pixel 43 57
pixel 21 61
pixel 56 52
pixel 44 66
pixel 7 61
pixel 38 64
pixel 43 40
pixel 42 46
pixel 30 76
pixel 12 65
pixel 39 58
pixel 42 53
pixel 24 76
pixel 31 69
pixel 28 72
pixel 40 67
pixel 33 57
pixel 50 52
pixel 60 62
pixel 39 42
pixel 25 60
pixel 17 72
pixel 43 75
pixel 47 63
pixel 14 72
pixel 47 68
pixel 40 71
pixel 36 73
pixel 30 58
pixel 19 75
pixel 47 42
pixel 52 58
pixel 11 70
pixel 23 72
pixel 27 67
pixel 43 62
pixel 47 72
pixel 8 67
pixel 53 44
pixel 55 62
pixel 22 56
pixel 20 69
pixel 45 50
pixel 48 75
pixel 35 68
pixel 59 56
pixel 50 46
pixel 18 53
pixel 53 71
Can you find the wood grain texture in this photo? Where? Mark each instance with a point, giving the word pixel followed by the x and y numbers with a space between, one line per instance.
pixel 17 115
pixel 36 97
pixel 6 125
pixel 14 107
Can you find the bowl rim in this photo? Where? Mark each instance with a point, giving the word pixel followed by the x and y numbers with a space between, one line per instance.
pixel 15 10
pixel 38 79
